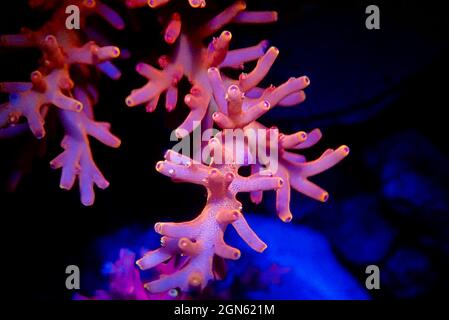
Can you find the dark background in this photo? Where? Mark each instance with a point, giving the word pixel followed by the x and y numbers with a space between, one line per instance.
pixel 381 92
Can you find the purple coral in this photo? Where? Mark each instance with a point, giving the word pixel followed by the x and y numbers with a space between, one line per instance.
pixel 125 282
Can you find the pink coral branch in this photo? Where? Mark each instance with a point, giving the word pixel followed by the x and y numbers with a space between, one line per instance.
pixel 157 3
pixel 254 17
pixel 218 49
pixel 202 238
pixel 283 196
pixel 52 85
pixel 76 160
pixel 90 53
pixel 159 82
pixel 288 93
pixel 193 173
pixel 257 182
pixel 249 81
pixel 236 110
pixel 248 235
pixel 112 17
pixel 136 3
pixel 44 90
pixel 236 58
pixel 160 3
pixel 222 19
pixel 196 60
pixel 173 29
pixel 295 170
pixel 313 138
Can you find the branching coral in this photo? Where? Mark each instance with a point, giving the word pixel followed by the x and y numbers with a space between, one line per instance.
pixel 233 105
pixel 193 60
pixel 202 238
pixel 215 99
pixel 295 170
pixel 64 56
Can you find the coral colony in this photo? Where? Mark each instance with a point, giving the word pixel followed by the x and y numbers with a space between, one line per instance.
pixel 224 110
pixel 65 56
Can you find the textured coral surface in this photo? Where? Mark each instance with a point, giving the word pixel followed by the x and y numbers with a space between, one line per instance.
pixel 231 105
pixel 216 99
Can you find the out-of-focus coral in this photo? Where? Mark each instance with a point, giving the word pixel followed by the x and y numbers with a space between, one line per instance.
pixel 357 228
pixel 65 56
pixel 405 178
pixel 408 273
pixel 125 282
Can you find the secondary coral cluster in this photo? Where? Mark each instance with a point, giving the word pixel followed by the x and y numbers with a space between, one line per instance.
pixel 62 80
